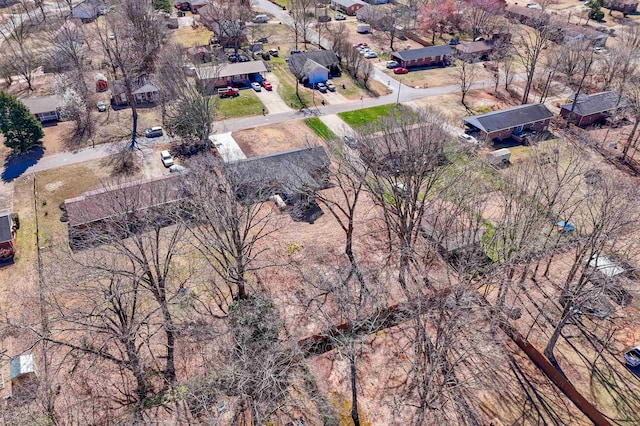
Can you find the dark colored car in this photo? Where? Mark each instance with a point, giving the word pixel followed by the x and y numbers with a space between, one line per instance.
pixel 324 18
pixel 400 70
pixel 294 51
pixel 453 42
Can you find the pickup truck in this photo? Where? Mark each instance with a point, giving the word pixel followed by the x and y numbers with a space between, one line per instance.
pixel 228 92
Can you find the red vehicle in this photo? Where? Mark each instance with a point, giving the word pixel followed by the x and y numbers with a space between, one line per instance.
pixel 228 92
pixel 267 85
pixel 400 70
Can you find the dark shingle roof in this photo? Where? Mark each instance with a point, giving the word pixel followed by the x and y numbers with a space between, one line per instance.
pixel 509 118
pixel 326 58
pixel 424 52
pixel 596 103
pixel 6 223
pixel 257 178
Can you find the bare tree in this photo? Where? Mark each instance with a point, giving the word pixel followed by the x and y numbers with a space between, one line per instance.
pixel 302 13
pixel 529 45
pixel 467 75
pixel 577 63
pixel 18 47
pixel 229 231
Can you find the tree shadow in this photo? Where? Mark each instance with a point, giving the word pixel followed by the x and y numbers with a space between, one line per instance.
pixel 16 164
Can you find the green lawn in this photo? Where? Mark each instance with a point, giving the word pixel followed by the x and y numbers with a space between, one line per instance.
pixel 319 128
pixel 362 117
pixel 247 103
pixel 287 88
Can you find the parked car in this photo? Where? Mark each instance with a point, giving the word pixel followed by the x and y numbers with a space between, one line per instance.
pixel 166 158
pixel 465 138
pixel 330 86
pixel 599 50
pixel 453 42
pixel 321 87
pixel 400 70
pixel 294 51
pixel 101 106
pixel 228 92
pixel 340 17
pixel 262 40
pixel 235 57
pixel 256 86
pixel 392 64
pixel 273 52
pixel 324 18
pixel 632 357
pixel 350 141
pixel 153 132
pixel 361 44
pixel 267 85
pixel 265 56
pixel 177 168
pixel 370 54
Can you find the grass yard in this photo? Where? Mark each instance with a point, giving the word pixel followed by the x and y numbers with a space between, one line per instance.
pixel 365 116
pixel 189 36
pixel 246 104
pixel 287 88
pixel 319 128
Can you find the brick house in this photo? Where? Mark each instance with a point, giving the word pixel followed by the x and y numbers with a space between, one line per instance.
pixel 237 74
pixel 348 7
pixel 593 108
pixel 424 56
pixel 509 122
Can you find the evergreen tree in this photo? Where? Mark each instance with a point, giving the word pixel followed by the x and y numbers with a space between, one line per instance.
pixel 20 128
pixel 164 5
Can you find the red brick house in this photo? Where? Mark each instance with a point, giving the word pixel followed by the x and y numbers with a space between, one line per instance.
pixel 8 228
pixel 509 122
pixel 594 108
pixel 238 74
pixel 424 56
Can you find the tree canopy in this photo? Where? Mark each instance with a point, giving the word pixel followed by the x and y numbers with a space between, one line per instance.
pixel 20 128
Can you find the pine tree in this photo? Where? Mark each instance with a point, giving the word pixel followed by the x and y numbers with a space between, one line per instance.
pixel 20 128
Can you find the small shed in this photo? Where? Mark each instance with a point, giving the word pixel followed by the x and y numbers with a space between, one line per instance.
pixel 22 366
pixel 102 84
pixel 8 228
pixel 499 156
pixel 606 266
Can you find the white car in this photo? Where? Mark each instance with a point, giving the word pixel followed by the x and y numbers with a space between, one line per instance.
pixel 392 64
pixel 632 357
pixel 340 17
pixel 166 158
pixel 256 86
pixel 370 55
pixel 465 138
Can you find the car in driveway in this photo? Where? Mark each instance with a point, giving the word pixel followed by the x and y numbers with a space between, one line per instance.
pixel 321 87
pixel 101 106
pixel 273 52
pixel 267 85
pixel 167 159
pixel 453 42
pixel 465 138
pixel 392 64
pixel 400 70
pixel 153 132
pixel 370 54
pixel 340 17
pixel 324 18
pixel 330 86
pixel 632 357
pixel 294 51
pixel 177 168
pixel 256 86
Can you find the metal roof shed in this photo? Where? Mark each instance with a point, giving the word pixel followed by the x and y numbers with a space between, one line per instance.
pixel 606 266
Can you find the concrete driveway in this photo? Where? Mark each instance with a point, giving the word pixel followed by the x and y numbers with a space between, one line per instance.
pixel 227 147
pixel 271 100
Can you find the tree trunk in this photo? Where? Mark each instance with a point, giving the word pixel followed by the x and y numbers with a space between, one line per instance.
pixel 134 127
pixel 627 145
pixel 354 392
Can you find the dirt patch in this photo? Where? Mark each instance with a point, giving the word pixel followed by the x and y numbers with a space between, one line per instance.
pixel 272 139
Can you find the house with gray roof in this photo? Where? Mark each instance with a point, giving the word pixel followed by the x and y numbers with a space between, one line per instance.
pixel 237 74
pixel 88 10
pixel 287 173
pixel 348 7
pixel 505 123
pixel 315 66
pixel 424 56
pixel 44 108
pixel 594 108
pixel 144 92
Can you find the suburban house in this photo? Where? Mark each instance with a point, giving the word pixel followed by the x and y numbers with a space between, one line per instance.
pixel 424 56
pixel 348 7
pixel 88 10
pixel 518 121
pixel 200 54
pixel 455 233
pixel 45 108
pixel 624 6
pixel 315 66
pixel 120 209
pixel 287 174
pixel 562 31
pixel 189 5
pixel 8 228
pixel 228 33
pixel 474 51
pixel 143 92
pixel 238 74
pixel 593 108
pixel 378 19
